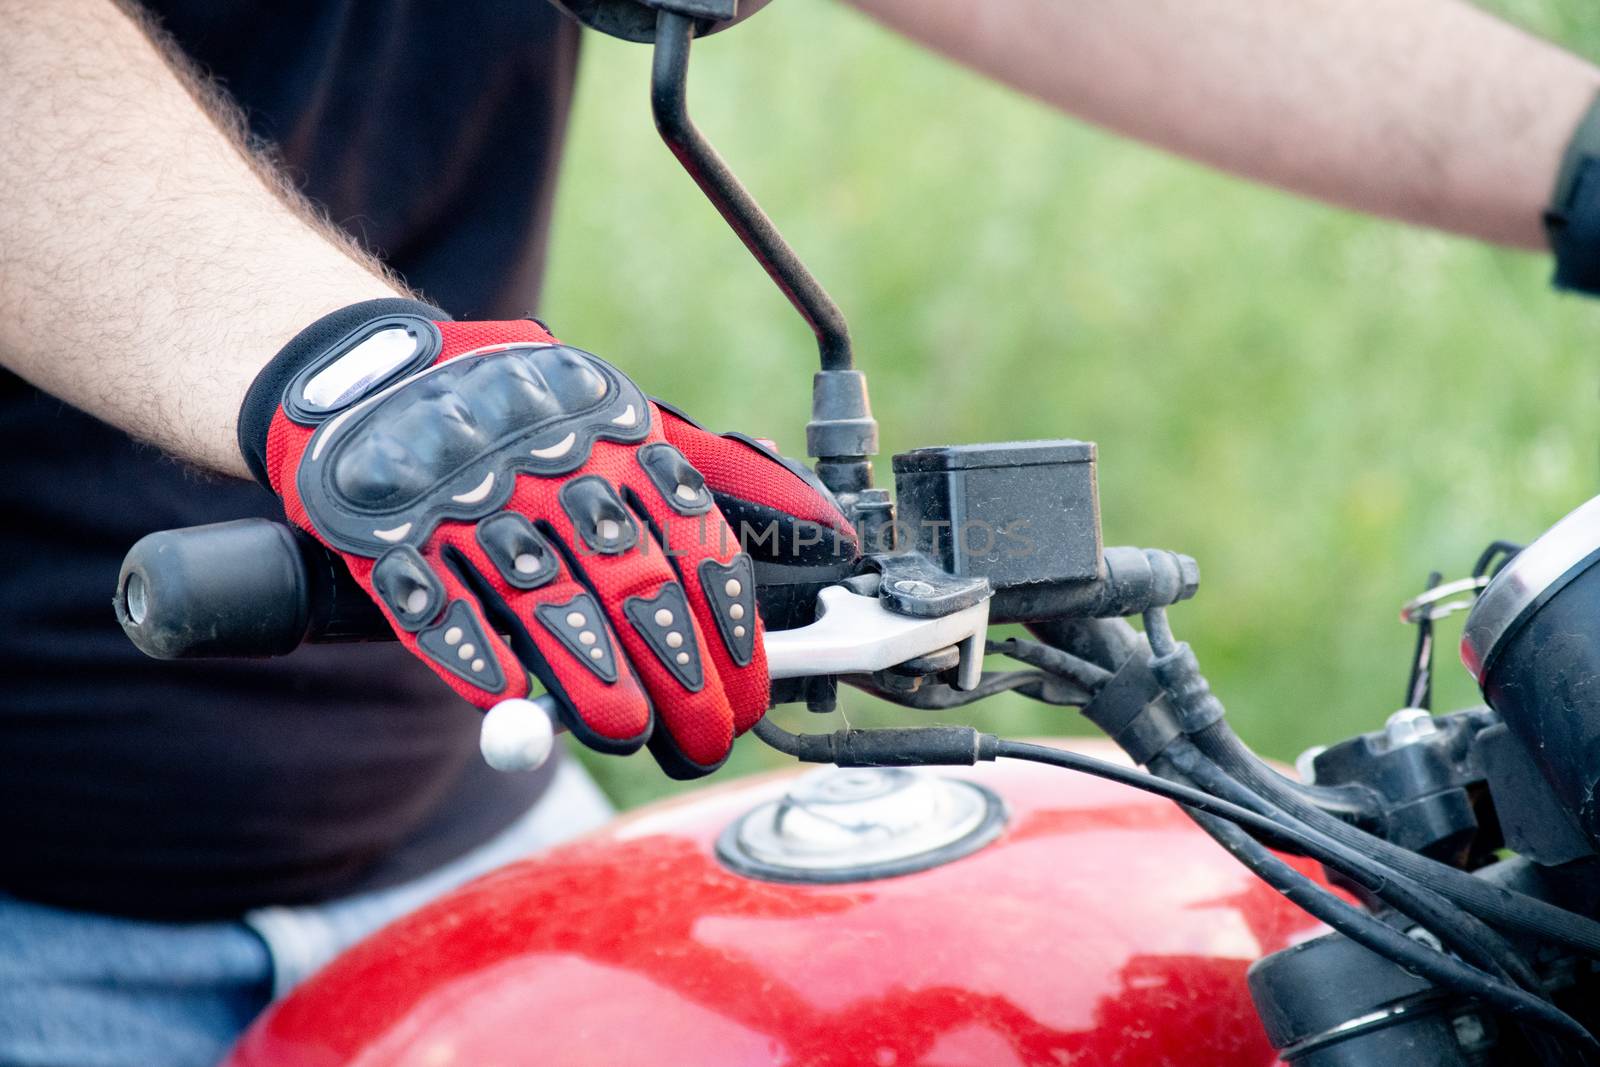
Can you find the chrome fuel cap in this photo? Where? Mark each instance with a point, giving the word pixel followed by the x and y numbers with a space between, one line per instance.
pixel 855 824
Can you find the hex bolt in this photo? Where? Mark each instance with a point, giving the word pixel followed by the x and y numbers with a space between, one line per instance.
pixel 1408 726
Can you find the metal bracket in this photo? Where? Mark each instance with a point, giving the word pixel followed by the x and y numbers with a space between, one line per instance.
pixel 912 584
pixel 1436 604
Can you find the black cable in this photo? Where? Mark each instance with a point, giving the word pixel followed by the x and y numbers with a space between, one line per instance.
pixel 965 746
pixel 1054 660
pixel 1104 642
pixel 1504 908
pixel 1043 686
pixel 1419 686
pixel 1437 967
pixel 1316 901
pixel 1496 548
pixel 1456 928
pixel 1158 631
pixel 1112 642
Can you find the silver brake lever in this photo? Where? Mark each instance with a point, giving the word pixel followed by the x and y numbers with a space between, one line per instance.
pixel 854 634
pixel 857 634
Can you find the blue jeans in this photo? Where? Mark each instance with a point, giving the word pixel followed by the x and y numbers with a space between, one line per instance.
pixel 84 990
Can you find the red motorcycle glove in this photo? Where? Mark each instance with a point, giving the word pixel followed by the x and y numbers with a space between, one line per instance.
pixel 482 480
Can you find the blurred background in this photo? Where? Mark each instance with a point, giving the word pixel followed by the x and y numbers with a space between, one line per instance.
pixel 1319 407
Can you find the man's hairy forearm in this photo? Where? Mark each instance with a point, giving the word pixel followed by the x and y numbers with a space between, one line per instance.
pixel 1425 110
pixel 148 266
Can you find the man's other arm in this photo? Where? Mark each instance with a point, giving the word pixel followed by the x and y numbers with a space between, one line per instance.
pixel 149 265
pixel 1431 111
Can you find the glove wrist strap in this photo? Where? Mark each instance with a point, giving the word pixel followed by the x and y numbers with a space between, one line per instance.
pixel 1572 221
pixel 266 393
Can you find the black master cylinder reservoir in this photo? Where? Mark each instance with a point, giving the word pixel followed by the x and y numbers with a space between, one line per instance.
pixel 1533 643
pixel 1016 513
pixel 1025 515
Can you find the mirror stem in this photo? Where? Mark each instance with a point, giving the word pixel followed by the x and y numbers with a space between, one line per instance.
pixel 842 435
pixel 669 101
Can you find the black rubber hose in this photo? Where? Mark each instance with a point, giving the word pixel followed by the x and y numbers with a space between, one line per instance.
pixel 1088 675
pixel 1219 815
pixel 1505 908
pixel 1106 643
pixel 1522 1007
pixel 1458 929
pixel 1042 686
pixel 1109 643
pixel 1493 904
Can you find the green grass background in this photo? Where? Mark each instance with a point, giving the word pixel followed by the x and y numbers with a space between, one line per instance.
pixel 1319 407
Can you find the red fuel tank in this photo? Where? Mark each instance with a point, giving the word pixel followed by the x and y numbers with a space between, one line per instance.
pixel 1072 922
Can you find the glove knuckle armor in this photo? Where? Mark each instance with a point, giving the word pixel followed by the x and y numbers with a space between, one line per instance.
pixel 449 441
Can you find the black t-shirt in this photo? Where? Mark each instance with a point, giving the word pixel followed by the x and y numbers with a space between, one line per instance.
pixel 200 789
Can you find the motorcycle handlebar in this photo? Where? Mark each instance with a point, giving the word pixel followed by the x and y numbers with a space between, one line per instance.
pixel 257 588
pixel 251 587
